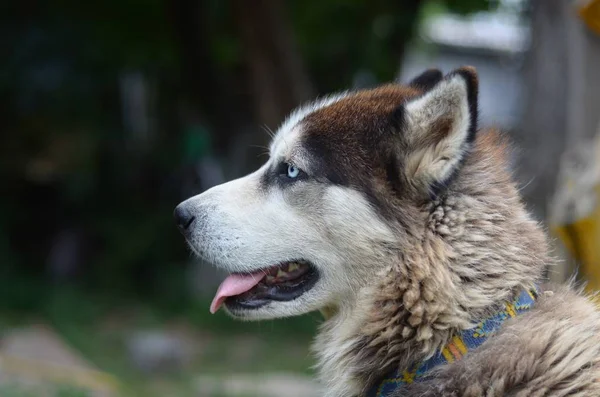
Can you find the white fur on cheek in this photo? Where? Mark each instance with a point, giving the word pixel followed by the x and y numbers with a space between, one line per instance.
pixel 353 217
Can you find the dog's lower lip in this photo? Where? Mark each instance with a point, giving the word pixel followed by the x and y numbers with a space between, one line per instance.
pixel 275 289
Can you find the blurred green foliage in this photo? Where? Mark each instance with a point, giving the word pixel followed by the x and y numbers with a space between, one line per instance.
pixel 68 163
pixel 82 188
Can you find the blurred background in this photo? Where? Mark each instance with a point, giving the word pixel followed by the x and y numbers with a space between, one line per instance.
pixel 112 112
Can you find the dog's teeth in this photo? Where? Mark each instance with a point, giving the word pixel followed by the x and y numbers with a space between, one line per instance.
pixel 292 267
pixel 269 279
pixel 280 273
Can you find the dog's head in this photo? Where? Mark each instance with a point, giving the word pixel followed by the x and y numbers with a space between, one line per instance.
pixel 345 177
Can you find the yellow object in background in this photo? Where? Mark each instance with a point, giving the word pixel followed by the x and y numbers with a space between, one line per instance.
pixel 582 239
pixel 575 215
pixel 589 12
pixel 575 211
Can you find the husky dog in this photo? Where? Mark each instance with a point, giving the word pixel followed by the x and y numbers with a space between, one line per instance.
pixel 390 212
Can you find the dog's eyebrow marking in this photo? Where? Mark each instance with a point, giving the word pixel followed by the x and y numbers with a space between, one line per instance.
pixel 283 143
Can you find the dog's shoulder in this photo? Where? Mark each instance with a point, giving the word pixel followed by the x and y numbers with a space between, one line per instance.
pixel 567 303
pixel 562 329
pixel 553 349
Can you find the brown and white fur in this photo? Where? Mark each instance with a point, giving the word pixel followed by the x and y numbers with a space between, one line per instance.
pixel 417 230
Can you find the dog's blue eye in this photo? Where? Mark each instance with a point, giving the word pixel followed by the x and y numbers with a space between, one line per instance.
pixel 292 171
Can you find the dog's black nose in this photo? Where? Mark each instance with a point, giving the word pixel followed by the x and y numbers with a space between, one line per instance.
pixel 183 218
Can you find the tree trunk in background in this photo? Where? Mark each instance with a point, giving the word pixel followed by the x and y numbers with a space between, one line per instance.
pixel 583 101
pixel 275 78
pixel 580 163
pixel 275 72
pixel 402 32
pixel 208 88
pixel 562 114
pixel 543 134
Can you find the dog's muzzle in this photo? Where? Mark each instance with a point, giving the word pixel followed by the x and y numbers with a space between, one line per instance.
pixel 184 219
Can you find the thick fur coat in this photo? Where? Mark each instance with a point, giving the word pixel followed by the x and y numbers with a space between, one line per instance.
pixel 415 230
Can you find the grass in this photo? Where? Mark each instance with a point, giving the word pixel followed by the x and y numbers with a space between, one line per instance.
pixel 17 390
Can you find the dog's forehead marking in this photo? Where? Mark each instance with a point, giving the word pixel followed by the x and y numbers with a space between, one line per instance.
pixel 363 111
pixel 288 133
pixel 339 131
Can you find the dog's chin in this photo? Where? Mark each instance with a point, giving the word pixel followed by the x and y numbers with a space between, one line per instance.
pixel 274 309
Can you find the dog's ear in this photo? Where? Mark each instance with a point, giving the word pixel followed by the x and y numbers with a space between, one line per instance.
pixel 439 128
pixel 427 80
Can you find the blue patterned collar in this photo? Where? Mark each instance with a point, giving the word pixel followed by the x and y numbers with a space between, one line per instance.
pixel 457 347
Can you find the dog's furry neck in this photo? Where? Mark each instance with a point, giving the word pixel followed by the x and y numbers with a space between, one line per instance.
pixel 468 258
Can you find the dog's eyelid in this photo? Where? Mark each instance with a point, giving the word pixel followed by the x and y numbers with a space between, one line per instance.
pixel 282 166
pixel 282 172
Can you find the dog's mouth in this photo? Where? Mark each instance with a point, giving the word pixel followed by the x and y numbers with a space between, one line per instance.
pixel 283 282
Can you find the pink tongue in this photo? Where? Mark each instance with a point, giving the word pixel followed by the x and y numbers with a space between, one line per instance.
pixel 235 284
